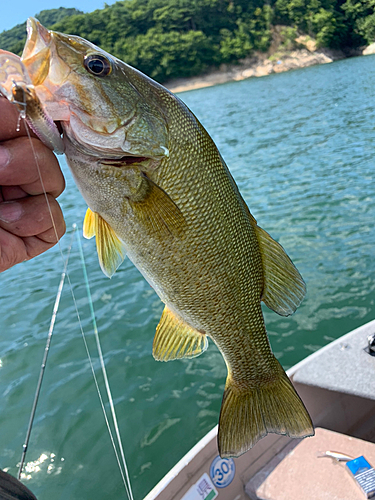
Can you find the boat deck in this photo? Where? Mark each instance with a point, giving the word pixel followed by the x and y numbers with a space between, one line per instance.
pixel 344 366
pixel 304 471
pixel 337 386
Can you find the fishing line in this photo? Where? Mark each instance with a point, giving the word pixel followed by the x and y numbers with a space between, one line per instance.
pixel 104 371
pixel 125 476
pixel 127 486
pixel 44 191
pixel 44 361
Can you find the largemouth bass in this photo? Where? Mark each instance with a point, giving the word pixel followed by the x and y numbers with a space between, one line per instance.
pixel 159 192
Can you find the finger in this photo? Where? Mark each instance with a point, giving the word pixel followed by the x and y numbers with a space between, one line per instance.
pixel 14 249
pixel 32 216
pixel 12 193
pixel 49 236
pixel 21 159
pixel 9 121
pixel 34 246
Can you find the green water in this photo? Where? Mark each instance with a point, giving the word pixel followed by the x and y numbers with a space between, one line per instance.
pixel 300 146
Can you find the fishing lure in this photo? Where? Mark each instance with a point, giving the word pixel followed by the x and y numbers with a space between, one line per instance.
pixel 336 455
pixel 16 86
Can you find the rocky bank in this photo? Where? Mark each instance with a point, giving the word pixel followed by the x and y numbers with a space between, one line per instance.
pixel 277 60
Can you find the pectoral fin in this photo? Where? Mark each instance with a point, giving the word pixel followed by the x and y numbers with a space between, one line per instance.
pixel 111 251
pixel 175 339
pixel 158 211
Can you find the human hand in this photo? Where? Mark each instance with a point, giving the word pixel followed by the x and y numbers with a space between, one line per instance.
pixel 26 228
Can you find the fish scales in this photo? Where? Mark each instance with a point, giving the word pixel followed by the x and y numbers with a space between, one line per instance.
pixel 159 191
pixel 237 254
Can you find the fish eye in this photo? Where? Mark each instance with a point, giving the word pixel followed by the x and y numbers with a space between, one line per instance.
pixel 97 65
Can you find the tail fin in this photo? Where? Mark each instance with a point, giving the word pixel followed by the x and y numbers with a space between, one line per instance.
pixel 249 414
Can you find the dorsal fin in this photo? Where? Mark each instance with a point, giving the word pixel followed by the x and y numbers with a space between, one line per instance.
pixel 111 250
pixel 175 339
pixel 284 288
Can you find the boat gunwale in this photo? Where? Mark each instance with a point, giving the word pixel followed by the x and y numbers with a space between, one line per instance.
pixel 211 435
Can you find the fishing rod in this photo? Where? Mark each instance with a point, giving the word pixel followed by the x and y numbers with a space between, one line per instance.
pixel 123 468
pixel 45 356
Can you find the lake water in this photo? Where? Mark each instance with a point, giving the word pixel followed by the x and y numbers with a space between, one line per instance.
pixel 301 148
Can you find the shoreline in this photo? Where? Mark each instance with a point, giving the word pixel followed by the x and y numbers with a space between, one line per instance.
pixel 262 65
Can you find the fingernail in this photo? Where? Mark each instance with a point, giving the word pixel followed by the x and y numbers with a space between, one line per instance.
pixel 4 157
pixel 10 211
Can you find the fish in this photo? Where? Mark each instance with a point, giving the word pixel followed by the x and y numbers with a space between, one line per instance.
pixel 159 192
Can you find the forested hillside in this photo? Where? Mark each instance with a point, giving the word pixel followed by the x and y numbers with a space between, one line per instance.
pixel 175 38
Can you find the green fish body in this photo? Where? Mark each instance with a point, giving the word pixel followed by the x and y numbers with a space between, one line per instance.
pixel 159 192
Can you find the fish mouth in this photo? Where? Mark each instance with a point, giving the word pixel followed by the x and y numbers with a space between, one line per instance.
pixel 38 37
pixel 36 58
pixel 37 51
pixel 124 161
pixel 146 163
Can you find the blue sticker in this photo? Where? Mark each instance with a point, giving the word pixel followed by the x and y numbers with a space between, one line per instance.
pixel 222 471
pixel 358 465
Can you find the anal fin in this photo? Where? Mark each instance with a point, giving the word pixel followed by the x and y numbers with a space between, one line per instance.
pixel 175 339
pixel 111 250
